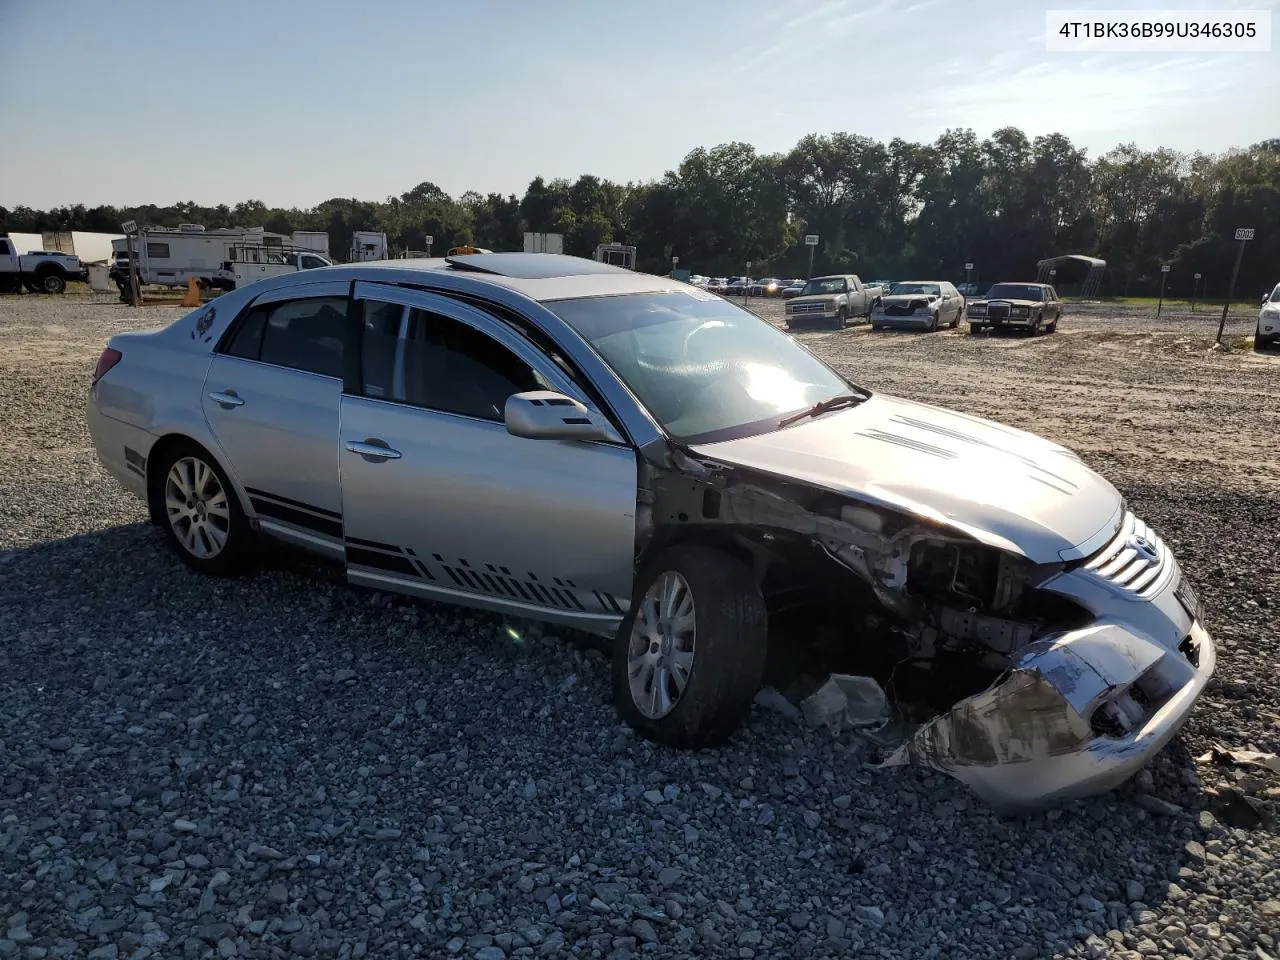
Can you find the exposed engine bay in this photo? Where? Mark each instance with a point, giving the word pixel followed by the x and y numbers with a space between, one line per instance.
pixel 888 582
pixel 1022 692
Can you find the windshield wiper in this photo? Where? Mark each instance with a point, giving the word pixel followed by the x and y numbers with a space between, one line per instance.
pixel 831 403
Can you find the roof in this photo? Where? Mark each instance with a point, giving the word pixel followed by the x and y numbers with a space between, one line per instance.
pixel 539 276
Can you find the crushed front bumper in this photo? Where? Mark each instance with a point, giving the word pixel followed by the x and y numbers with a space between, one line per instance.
pixel 1077 715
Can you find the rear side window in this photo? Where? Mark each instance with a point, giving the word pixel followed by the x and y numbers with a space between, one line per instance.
pixel 303 335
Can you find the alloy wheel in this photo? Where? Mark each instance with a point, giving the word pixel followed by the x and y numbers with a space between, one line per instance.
pixel 660 650
pixel 197 508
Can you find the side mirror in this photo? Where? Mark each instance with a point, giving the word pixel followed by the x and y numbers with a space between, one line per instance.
pixel 547 415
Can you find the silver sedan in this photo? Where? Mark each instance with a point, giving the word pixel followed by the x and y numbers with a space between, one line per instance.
pixel 559 439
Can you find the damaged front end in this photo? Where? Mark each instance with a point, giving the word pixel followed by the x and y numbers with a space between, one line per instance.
pixel 1039 688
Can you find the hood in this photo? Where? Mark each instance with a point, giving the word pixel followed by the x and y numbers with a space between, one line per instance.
pixel 906 299
pixel 1005 487
pixel 817 297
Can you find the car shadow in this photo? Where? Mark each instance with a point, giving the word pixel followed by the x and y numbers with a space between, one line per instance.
pixel 912 842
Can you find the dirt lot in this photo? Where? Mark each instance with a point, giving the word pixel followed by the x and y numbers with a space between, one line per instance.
pixel 291 767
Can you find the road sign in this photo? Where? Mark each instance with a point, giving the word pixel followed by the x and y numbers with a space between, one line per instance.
pixel 129 226
pixel 1164 268
pixel 810 239
pixel 968 266
pixel 429 239
pixel 1197 276
pixel 1244 233
pixel 674 261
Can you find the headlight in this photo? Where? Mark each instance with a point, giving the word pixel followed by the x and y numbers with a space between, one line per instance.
pixel 1271 313
pixel 1019 312
pixel 977 309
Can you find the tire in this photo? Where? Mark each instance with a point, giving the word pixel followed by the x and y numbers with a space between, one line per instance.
pixel 199 550
pixel 975 328
pixel 1053 327
pixel 51 282
pixel 1035 326
pixel 955 321
pixel 1261 341
pixel 842 318
pixel 933 324
pixel 726 661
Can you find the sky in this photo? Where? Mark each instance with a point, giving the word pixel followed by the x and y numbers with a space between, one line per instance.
pixel 291 103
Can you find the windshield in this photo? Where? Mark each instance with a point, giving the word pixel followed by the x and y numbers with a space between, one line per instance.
pixel 1275 294
pixel 704 368
pixel 1015 291
pixel 823 285
pixel 927 289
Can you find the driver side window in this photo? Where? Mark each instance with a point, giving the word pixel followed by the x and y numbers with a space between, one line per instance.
pixel 438 363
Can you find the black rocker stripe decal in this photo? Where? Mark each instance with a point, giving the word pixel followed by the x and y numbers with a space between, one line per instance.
pixel 492 580
pixel 289 502
pixel 329 526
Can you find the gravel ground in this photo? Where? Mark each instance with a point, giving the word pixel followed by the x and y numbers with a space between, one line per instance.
pixel 292 767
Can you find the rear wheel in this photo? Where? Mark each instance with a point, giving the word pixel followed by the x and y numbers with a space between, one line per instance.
pixel 690 654
pixel 52 282
pixel 199 512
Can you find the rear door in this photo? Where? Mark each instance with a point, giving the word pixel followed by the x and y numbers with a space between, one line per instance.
pixel 457 508
pixel 271 399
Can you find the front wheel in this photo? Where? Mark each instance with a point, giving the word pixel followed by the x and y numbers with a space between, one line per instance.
pixel 200 513
pixel 975 328
pixel 690 654
pixel 842 318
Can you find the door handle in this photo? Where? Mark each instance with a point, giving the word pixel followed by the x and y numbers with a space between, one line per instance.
pixel 227 400
pixel 373 449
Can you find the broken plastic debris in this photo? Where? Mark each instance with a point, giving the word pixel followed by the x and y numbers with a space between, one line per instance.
pixel 774 701
pixel 1242 758
pixel 846 701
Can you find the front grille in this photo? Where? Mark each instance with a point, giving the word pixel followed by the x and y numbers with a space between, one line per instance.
pixel 998 312
pixel 1135 559
pixel 809 308
pixel 899 310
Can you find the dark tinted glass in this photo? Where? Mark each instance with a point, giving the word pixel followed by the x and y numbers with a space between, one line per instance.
pixel 306 335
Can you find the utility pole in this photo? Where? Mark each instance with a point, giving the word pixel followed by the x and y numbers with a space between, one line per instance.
pixel 1164 275
pixel 130 228
pixel 811 241
pixel 746 284
pixel 1244 235
pixel 1195 288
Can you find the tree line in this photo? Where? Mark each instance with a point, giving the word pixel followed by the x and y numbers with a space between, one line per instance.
pixel 895 210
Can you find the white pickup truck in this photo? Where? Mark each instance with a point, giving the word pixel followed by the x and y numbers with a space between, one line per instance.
pixel 832 300
pixel 39 272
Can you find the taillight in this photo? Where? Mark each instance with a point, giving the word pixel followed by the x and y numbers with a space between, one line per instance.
pixel 110 357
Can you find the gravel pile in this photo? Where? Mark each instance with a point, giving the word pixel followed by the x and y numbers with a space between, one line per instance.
pixel 288 766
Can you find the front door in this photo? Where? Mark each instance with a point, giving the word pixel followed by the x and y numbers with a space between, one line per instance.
pixel 439 500
pixel 271 399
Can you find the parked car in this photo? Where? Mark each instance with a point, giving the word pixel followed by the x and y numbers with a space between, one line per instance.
pixel 767 287
pixel 832 300
pixel 1029 306
pixel 921 304
pixel 39 271
pixel 967 289
pixel 737 286
pixel 560 439
pixel 791 288
pixel 718 284
pixel 1268 321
